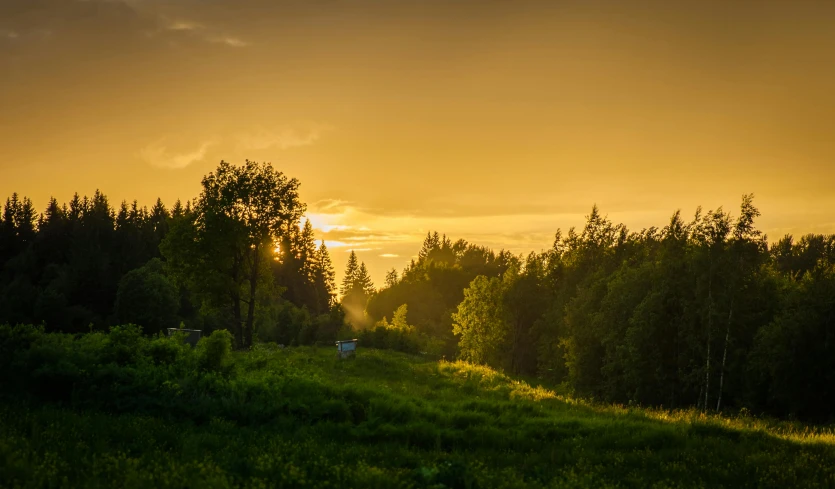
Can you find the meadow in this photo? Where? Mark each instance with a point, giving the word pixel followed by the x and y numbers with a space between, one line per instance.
pixel 121 410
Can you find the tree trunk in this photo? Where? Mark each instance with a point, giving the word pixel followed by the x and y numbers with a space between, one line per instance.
pixel 236 312
pixel 514 356
pixel 253 283
pixel 709 337
pixel 236 306
pixel 724 356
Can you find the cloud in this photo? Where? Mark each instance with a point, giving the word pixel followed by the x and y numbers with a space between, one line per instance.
pixel 157 154
pixel 331 206
pixel 389 255
pixel 282 137
pixel 229 41
pixel 335 244
pixel 183 25
pixel 9 34
pixel 195 30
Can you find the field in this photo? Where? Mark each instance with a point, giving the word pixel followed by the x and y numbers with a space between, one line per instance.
pixel 299 417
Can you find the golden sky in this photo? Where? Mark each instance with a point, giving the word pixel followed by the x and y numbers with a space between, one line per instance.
pixel 495 121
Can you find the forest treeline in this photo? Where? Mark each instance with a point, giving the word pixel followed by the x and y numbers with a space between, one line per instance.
pixel 702 312
pixel 208 264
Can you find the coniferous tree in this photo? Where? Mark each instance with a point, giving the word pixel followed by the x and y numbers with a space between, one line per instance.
pixel 351 271
pixel 306 253
pixel 391 278
pixel 363 281
pixel 356 289
pixel 324 279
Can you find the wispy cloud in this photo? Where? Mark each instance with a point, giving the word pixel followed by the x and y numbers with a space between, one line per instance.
pixel 331 206
pixel 335 244
pixel 195 30
pixel 229 41
pixel 389 255
pixel 183 25
pixel 157 154
pixel 282 137
pixel 8 34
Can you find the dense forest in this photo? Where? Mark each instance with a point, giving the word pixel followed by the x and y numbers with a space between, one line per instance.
pixel 702 312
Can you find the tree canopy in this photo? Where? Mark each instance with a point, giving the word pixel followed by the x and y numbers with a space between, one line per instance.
pixel 702 312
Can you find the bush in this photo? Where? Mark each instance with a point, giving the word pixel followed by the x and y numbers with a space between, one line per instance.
pixel 14 339
pixel 213 351
pixel 124 344
pixel 386 338
pixel 282 324
pixel 164 350
pixel 146 297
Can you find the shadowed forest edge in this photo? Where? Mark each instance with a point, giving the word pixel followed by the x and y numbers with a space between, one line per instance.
pixel 701 312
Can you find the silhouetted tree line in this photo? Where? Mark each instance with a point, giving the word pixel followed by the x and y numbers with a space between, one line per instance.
pixel 209 264
pixel 701 313
pixel 433 285
pixel 695 314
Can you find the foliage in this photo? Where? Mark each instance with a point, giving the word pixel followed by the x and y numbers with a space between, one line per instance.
pixel 240 216
pixel 793 359
pixel 300 417
pixel 213 350
pixel 399 335
pixel 433 286
pixel 287 324
pixel 146 297
pixel 356 290
pixel 480 321
pixel 698 313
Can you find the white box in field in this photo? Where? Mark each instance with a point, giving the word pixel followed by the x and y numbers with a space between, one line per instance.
pixel 346 347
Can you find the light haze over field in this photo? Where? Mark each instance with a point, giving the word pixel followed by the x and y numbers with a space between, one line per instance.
pixel 497 122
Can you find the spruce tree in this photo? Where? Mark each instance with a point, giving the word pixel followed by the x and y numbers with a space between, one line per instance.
pixel 349 279
pixel 306 252
pixel 363 281
pixel 325 271
pixel 391 278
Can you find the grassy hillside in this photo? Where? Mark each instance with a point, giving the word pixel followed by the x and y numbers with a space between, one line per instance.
pixel 302 418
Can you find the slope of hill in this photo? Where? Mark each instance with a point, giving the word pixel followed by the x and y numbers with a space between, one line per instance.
pixel 300 417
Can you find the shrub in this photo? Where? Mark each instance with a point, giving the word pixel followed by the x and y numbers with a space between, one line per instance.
pixel 164 351
pixel 15 339
pixel 213 351
pixel 124 344
pixel 146 297
pixel 387 338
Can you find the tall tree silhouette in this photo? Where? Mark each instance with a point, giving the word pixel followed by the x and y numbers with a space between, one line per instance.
pixel 242 212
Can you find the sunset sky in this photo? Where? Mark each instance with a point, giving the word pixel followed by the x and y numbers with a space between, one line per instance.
pixel 494 121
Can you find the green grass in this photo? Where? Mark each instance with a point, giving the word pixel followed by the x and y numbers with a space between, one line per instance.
pixel 300 417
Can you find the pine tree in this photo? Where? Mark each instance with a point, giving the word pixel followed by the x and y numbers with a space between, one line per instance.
pixel 391 278
pixel 25 220
pixel 351 270
pixel 177 210
pixel 429 245
pixel 306 253
pixel 363 281
pixel 52 242
pixel 325 270
pixel 122 221
pixel 159 223
pixel 8 231
pixel 76 208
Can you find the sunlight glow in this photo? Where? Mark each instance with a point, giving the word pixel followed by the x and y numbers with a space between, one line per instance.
pixel 336 244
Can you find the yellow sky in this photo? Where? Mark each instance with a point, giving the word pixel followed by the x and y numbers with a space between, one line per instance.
pixel 495 121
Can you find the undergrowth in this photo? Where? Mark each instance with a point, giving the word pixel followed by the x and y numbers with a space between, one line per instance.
pixel 121 410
